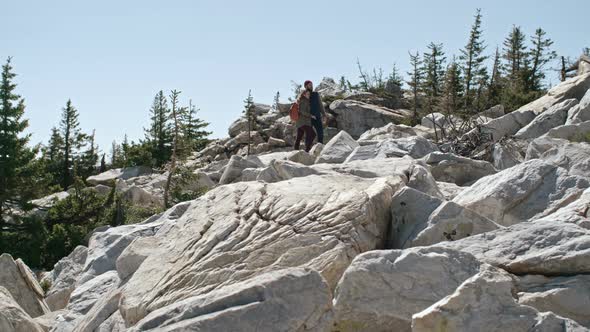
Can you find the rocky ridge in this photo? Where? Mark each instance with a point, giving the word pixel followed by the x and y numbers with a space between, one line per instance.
pixel 381 229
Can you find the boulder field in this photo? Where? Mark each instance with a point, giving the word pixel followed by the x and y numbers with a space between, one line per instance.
pixel 380 229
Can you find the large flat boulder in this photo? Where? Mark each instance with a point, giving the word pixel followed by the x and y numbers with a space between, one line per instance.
pixel 392 131
pixel 415 146
pixel 449 167
pixel 571 132
pixel 236 165
pixel 547 247
pixel 356 117
pixel 581 112
pixel 551 118
pixel 451 222
pixel 573 88
pixel 18 279
pixel 337 149
pixel 63 278
pixel 506 125
pixel 107 244
pixel 575 157
pixel 292 299
pixel 529 190
pixel 485 302
pixel 381 290
pixel 577 212
pixel 12 317
pixel 568 297
pixel 108 178
pixel 239 231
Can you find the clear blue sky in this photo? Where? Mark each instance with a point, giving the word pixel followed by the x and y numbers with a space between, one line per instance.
pixel 111 57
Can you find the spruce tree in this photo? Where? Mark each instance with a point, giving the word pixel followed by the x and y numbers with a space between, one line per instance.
pixel 473 63
pixel 433 67
pixel 452 91
pixel 89 157
pixel 103 164
pixel 53 157
pixel 15 156
pixel 159 135
pixel 433 64
pixel 73 138
pixel 195 133
pixel 516 68
pixel 540 55
pixel 174 94
pixel 495 85
pixel 250 114
pixel 415 82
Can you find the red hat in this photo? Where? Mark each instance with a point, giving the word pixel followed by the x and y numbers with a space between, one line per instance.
pixel 306 82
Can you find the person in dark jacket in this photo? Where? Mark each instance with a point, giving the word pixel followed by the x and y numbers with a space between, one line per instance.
pixel 317 110
pixel 304 121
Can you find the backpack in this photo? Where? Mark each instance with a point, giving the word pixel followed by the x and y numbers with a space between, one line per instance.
pixel 294 112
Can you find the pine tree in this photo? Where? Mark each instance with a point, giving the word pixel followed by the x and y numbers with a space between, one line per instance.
pixel 15 156
pixel 116 155
pixel 495 84
pixel 433 68
pixel 541 55
pixel 250 115
pixel 195 133
pixel 452 90
pixel 175 144
pixel 73 139
pixel 415 83
pixel 89 158
pixel 472 58
pixel 433 64
pixel 515 56
pixel 125 147
pixel 159 135
pixel 103 164
pixel 53 157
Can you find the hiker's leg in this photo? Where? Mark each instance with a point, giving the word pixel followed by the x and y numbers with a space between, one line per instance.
pixel 299 137
pixel 319 128
pixel 309 137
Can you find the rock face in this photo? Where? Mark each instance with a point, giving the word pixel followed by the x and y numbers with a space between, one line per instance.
pixel 506 125
pixel 485 301
pixel 565 296
pixel 527 191
pixel 12 317
pixel 381 234
pixel 17 279
pixel 252 228
pixel 551 118
pixel 581 112
pixel 338 148
pixel 108 178
pixel 356 117
pixel 292 299
pixel 415 146
pixel 392 131
pixel 63 278
pixel 381 290
pixel 547 247
pixel 448 167
pixel 451 222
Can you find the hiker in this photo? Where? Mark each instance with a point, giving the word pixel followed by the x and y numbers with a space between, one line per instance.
pixel 303 123
pixel 317 110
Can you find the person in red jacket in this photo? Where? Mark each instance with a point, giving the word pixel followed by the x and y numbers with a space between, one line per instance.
pixel 303 123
